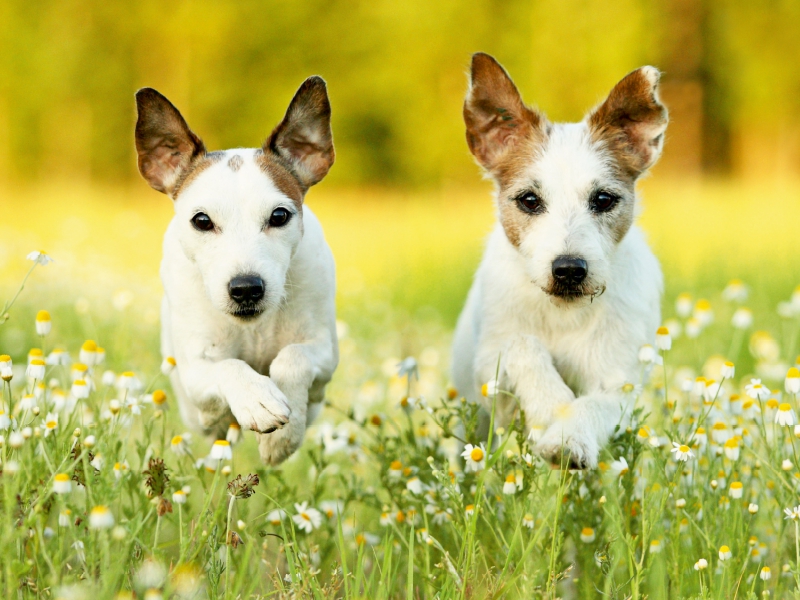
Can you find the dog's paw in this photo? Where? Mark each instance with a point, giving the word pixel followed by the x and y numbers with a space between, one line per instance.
pixel 260 406
pixel 276 447
pixel 569 445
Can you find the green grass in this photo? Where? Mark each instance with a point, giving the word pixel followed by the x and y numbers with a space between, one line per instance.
pixel 435 547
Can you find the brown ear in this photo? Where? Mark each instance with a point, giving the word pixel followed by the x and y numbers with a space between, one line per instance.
pixel 495 115
pixel 304 139
pixel 164 142
pixel 632 120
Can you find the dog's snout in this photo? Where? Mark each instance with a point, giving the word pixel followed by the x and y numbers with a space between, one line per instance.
pixel 246 289
pixel 570 270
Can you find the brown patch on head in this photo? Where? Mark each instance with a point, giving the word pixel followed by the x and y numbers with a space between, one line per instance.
pixel 631 122
pixel 235 162
pixel 502 131
pixel 303 139
pixel 195 168
pixel 165 145
pixel 281 176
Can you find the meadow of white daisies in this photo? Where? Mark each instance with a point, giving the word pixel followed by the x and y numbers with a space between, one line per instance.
pixel 104 494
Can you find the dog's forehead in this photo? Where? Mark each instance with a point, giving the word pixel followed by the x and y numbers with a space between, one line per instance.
pixel 244 177
pixel 569 161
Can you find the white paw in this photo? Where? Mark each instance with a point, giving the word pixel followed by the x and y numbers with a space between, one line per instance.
pixel 569 444
pixel 260 406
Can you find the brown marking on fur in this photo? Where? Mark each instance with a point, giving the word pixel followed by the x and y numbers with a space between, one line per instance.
pixel 199 165
pixel 165 145
pixel 281 175
pixel 235 162
pixel 500 126
pixel 303 139
pixel 503 133
pixel 630 123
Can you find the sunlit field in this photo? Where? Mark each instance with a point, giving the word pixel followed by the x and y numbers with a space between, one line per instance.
pixel 104 493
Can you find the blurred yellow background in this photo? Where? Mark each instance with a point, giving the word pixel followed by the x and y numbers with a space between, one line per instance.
pixel 404 208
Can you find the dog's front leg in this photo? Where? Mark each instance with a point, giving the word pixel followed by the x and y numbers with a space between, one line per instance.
pixel 526 369
pixel 255 401
pixel 589 422
pixel 294 371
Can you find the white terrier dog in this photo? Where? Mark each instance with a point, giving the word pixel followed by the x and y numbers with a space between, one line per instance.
pixel 568 290
pixel 248 310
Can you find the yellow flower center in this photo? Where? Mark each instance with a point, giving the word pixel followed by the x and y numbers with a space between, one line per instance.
pixel 476 454
pixel 177 440
pixel 785 407
pixel 587 531
pixel 62 477
pixel 683 448
pixel 51 424
pixel 305 516
pixel 171 361
pixel 89 346
pixel 793 373
pixel 510 478
pixel 736 485
pixel 222 443
pixel 35 352
pixel 396 465
pixel 43 315
pixel 159 397
pixel 38 362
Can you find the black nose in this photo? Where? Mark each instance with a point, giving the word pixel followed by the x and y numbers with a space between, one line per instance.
pixel 246 289
pixel 569 270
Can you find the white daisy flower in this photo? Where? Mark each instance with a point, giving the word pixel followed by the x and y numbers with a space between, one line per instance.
pixel 792 382
pixel 742 318
pixel 619 467
pixel 179 497
pixel 701 564
pixel 587 535
pixel 414 485
pixel 728 370
pixel 785 415
pixel 50 424
pixel 276 516
pixel 765 574
pixel 682 452
pixel 475 457
pixel 663 339
pixel 62 484
pixel 168 365
pixel 757 390
pixel 724 553
pixel 221 450
pixel 683 305
pixel 40 257
pixel 527 520
pixel 307 519
pixel 43 323
pixel 510 485
pixel 101 518
pixel 35 369
pixel 735 291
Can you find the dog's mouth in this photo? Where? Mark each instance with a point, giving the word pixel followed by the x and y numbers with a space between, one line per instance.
pixel 573 293
pixel 247 312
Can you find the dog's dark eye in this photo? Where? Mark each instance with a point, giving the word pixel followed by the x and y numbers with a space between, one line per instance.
pixel 202 222
pixel 279 217
pixel 530 203
pixel 603 201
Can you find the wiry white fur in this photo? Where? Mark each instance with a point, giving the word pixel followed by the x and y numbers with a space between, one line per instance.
pixel 267 370
pixel 565 362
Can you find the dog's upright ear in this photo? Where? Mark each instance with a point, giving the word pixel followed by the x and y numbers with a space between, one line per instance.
pixel 303 139
pixel 497 119
pixel 165 144
pixel 632 121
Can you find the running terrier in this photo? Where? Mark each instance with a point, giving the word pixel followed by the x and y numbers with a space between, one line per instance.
pixel 248 311
pixel 568 289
